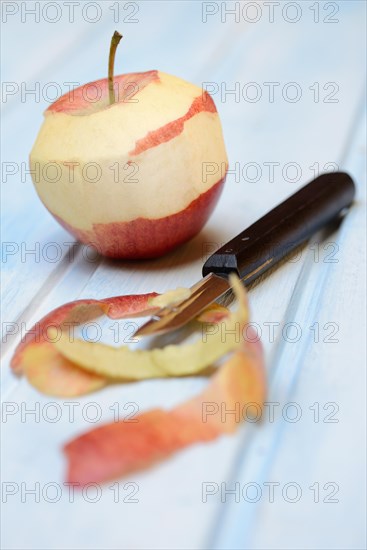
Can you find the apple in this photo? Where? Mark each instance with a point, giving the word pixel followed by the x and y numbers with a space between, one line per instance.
pixel 121 162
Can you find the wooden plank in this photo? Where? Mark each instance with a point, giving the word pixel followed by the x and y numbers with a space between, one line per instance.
pixel 262 130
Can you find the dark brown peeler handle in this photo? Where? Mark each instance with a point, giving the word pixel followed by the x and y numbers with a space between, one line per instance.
pixel 295 220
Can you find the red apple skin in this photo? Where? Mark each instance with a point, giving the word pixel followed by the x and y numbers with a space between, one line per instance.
pixel 202 103
pixel 128 85
pixel 145 238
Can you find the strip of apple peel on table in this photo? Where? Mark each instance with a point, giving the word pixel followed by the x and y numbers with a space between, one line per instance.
pixel 116 449
pixel 46 369
pixel 52 372
pixel 120 448
pixel 124 363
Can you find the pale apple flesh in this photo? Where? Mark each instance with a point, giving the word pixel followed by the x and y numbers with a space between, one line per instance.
pixel 130 178
pixel 145 238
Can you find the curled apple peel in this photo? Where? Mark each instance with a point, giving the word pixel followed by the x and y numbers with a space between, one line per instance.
pixel 67 368
pixel 51 373
pixel 117 449
pixel 174 360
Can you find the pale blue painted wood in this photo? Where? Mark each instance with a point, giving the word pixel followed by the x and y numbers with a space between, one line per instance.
pixel 258 132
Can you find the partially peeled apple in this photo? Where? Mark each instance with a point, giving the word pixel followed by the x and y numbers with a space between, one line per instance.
pixel 128 173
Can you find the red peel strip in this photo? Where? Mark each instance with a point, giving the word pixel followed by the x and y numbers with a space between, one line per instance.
pixel 80 311
pixel 118 449
pixel 52 373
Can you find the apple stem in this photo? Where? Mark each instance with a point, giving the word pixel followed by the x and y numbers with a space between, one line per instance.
pixel 111 62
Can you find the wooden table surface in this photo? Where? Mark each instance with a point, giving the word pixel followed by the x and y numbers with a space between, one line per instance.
pixel 299 476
